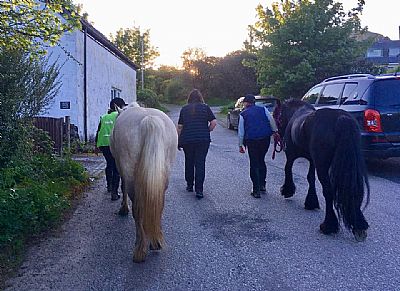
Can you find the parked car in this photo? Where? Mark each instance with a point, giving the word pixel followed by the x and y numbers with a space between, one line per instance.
pixel 232 118
pixel 374 101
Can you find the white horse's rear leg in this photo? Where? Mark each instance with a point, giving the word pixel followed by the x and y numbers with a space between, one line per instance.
pixel 140 250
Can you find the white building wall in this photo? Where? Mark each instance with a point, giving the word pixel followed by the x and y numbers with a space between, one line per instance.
pixel 104 71
pixel 71 84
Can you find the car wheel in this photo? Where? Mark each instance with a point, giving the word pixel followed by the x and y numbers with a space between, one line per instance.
pixel 228 122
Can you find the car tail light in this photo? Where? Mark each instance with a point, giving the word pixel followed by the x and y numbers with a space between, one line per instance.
pixel 372 121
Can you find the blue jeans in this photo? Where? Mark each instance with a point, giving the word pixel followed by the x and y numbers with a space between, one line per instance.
pixel 195 164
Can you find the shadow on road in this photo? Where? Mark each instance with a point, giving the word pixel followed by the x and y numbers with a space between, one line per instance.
pixel 388 169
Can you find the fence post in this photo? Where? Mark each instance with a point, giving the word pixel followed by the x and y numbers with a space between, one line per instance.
pixel 61 120
pixel 68 133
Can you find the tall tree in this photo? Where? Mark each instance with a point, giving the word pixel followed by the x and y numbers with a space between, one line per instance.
pixel 129 41
pixel 301 42
pixel 28 24
pixel 238 79
pixel 190 56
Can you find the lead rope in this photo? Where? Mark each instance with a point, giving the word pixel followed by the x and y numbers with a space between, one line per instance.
pixel 278 144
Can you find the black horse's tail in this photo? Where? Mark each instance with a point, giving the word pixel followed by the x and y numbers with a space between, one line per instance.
pixel 348 174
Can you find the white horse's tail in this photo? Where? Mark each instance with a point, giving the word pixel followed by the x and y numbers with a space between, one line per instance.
pixel 151 178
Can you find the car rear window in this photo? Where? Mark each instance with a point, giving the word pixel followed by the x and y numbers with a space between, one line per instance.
pixel 386 92
pixel 331 94
pixel 312 95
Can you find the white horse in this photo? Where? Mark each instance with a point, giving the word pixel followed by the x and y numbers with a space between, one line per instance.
pixel 144 143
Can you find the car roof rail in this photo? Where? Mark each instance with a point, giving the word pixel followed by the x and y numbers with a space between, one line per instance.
pixel 390 74
pixel 352 76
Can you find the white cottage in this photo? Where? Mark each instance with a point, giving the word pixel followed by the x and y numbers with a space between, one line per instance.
pixel 93 71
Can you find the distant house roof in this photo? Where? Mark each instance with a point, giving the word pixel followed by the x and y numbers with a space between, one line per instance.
pixel 384 51
pixel 103 40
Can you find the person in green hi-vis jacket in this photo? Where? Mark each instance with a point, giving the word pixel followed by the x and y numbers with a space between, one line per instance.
pixel 103 134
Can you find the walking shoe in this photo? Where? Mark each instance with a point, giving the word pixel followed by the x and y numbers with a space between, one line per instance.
pixel 189 188
pixel 262 189
pixel 199 195
pixel 115 196
pixel 256 194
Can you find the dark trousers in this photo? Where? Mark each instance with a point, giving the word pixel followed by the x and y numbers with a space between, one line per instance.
pixel 195 164
pixel 112 175
pixel 257 150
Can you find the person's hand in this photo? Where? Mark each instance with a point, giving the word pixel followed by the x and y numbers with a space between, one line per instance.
pixel 242 149
pixel 96 151
pixel 276 136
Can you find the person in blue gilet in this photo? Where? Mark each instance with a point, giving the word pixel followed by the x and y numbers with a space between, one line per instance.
pixel 256 125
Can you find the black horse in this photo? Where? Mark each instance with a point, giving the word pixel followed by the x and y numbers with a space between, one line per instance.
pixel 330 140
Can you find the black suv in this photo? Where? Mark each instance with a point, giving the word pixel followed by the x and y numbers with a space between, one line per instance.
pixel 374 101
pixel 232 119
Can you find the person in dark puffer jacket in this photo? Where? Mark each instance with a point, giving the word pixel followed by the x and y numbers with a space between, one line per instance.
pixel 256 125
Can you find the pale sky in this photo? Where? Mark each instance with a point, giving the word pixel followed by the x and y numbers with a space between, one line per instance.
pixel 217 26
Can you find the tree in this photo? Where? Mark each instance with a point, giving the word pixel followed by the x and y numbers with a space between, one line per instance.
pixel 237 79
pixel 27 87
pixel 301 42
pixel 129 42
pixel 30 24
pixel 191 55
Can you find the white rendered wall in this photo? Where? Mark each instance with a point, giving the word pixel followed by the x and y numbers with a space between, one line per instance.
pixel 71 82
pixel 104 71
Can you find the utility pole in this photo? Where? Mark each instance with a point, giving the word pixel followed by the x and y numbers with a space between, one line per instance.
pixel 142 62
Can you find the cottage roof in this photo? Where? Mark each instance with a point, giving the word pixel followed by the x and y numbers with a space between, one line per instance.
pixel 103 40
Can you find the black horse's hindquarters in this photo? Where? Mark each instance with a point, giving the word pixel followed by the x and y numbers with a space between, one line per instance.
pixel 330 139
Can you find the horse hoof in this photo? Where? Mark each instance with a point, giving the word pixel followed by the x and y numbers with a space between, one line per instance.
pixel 327 230
pixel 287 192
pixel 308 207
pixel 155 247
pixel 138 258
pixel 360 235
pixel 287 195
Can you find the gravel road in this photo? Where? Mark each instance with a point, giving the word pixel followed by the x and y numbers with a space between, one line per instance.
pixel 226 241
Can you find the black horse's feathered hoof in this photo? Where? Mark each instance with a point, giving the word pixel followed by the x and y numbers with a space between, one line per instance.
pixel 328 229
pixel 287 192
pixel 360 234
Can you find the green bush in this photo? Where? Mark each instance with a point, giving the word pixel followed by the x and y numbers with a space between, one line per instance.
pixel 33 196
pixel 148 98
pixel 226 108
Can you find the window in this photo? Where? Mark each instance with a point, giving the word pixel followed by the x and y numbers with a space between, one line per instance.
pixel 387 92
pixel 394 52
pixel 115 93
pixel 331 94
pixel 349 92
pixel 312 95
pixel 374 53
